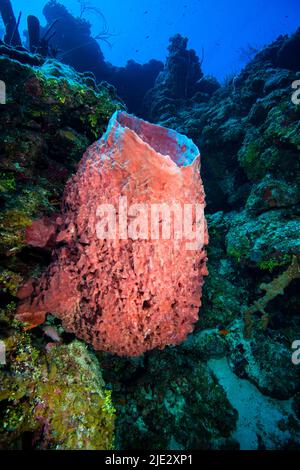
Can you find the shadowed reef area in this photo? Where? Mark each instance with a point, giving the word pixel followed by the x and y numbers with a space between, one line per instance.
pixel 193 395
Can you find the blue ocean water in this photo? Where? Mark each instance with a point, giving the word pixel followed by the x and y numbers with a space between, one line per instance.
pixel 227 32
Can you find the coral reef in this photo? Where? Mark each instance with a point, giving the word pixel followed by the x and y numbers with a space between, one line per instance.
pixel 51 115
pixel 274 288
pixel 197 394
pixel 181 80
pixel 125 293
pixel 248 130
pixel 77 47
pixel 248 134
pixel 12 36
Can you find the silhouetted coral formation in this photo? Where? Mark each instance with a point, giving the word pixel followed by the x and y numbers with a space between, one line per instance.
pixel 12 36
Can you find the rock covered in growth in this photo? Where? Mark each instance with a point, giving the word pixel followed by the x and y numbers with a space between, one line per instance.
pixel 73 39
pixel 264 361
pixel 53 398
pixel 50 117
pixel 284 52
pixel 126 295
pixel 182 71
pixel 77 47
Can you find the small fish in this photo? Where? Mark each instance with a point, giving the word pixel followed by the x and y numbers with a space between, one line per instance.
pixel 224 332
pixel 146 12
pixel 147 37
pixel 52 333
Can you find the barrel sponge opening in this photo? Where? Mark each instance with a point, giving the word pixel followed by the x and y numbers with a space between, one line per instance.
pixel 180 148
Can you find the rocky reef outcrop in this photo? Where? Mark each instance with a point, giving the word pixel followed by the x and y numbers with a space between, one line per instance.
pixel 182 80
pixel 116 282
pixel 50 117
pixel 248 132
pixel 197 394
pixel 55 399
